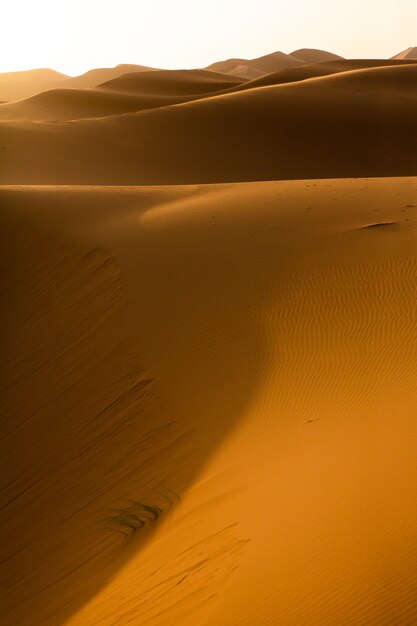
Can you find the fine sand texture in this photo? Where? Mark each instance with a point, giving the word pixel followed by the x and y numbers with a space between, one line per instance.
pixel 209 404
pixel 353 123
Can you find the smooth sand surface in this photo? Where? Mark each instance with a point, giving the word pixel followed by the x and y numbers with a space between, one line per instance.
pixel 317 69
pixel 20 85
pixel 173 82
pixel 132 92
pixel 252 68
pixel 409 53
pixel 311 55
pixel 350 124
pixel 248 348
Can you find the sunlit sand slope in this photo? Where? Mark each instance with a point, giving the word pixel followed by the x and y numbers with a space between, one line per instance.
pixel 18 85
pixel 249 348
pixel 252 68
pixel 132 92
pixel 357 123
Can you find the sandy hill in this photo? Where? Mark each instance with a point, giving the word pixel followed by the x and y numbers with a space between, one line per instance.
pixel 132 92
pixel 74 104
pixel 311 55
pixel 172 82
pixel 208 403
pixel 21 85
pixel 410 53
pixel 253 68
pixel 357 123
pixel 18 85
pixel 138 91
pixel 95 77
pixel 315 70
pixel 43 74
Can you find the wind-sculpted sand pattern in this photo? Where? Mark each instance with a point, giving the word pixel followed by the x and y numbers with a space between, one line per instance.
pixel 210 404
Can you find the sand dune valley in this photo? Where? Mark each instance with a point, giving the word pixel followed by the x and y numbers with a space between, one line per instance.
pixel 209 349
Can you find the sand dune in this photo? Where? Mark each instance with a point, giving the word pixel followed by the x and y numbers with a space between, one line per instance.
pixel 315 70
pixel 74 104
pixel 172 82
pixel 19 85
pixel 357 123
pixel 128 93
pixel 311 55
pixel 248 347
pixel 410 53
pixel 139 91
pixel 95 77
pixel 253 68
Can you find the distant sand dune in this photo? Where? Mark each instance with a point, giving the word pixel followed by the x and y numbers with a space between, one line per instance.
pixel 355 123
pixel 19 85
pixel 315 70
pixel 410 53
pixel 172 82
pixel 139 91
pixel 311 55
pixel 95 77
pixel 252 68
pixel 135 91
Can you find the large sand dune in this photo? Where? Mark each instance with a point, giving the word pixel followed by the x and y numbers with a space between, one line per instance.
pixel 311 55
pixel 249 348
pixel 132 92
pixel 354 123
pixel 315 70
pixel 19 85
pixel 173 82
pixel 252 68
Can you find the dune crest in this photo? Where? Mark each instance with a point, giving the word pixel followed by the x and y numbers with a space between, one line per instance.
pixel 297 130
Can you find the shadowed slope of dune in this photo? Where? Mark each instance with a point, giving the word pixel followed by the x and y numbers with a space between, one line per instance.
pixel 139 91
pixel 18 85
pixel 72 104
pixel 315 70
pixel 91 418
pixel 357 123
pixel 142 325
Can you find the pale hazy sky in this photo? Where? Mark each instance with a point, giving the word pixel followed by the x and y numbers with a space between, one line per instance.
pixel 75 35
